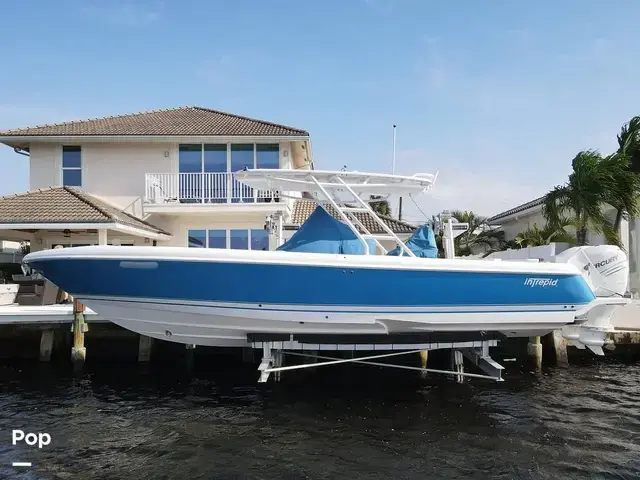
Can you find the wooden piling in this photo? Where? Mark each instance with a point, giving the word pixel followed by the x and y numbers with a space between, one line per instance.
pixel 424 356
pixel 534 351
pixel 557 344
pixel 457 364
pixel 46 344
pixel 79 327
pixel 145 344
pixel 189 352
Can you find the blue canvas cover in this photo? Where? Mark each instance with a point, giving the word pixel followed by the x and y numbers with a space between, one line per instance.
pixel 322 233
pixel 422 243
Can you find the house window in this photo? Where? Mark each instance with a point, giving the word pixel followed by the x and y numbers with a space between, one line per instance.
pixel 268 155
pixel 198 238
pixel 242 156
pixel 259 239
pixel 217 239
pixel 238 239
pixel 71 166
pixel 204 170
pixel 207 238
pixel 190 158
pixel 212 158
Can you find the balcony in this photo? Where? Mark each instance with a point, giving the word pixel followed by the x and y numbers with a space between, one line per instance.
pixel 172 191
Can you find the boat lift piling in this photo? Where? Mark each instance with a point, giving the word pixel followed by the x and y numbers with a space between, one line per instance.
pixel 47 338
pixel 79 327
pixel 534 351
pixel 424 357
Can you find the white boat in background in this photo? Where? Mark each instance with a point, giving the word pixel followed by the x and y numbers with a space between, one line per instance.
pixel 326 283
pixel 8 293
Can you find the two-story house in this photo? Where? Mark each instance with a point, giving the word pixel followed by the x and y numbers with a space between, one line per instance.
pixel 162 177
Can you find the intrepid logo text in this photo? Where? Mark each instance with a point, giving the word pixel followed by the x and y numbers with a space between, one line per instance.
pixel 541 282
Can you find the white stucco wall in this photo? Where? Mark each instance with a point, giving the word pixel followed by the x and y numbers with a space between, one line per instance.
pixel 116 171
pixel 110 170
pixel 513 226
pixel 45 165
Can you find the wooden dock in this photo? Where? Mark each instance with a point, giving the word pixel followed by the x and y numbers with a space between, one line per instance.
pixel 47 314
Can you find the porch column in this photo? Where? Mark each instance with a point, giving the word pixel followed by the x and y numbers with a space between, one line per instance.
pixel 280 225
pixel 634 256
pixel 625 238
pixel 102 237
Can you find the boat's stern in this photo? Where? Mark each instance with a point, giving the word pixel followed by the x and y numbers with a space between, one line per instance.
pixel 605 268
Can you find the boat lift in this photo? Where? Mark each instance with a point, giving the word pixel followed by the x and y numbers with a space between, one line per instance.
pixel 477 352
pixel 350 193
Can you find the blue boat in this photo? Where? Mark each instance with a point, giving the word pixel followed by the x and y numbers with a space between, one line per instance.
pixel 325 280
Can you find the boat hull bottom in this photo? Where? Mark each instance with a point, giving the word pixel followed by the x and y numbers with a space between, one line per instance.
pixel 230 327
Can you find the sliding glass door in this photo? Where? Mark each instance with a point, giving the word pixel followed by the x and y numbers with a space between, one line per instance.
pixel 214 168
pixel 202 170
pixel 205 170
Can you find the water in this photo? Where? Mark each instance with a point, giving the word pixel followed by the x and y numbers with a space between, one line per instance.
pixel 354 423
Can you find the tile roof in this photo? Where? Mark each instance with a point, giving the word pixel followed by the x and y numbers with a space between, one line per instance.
pixel 181 121
pixel 302 209
pixel 65 205
pixel 518 209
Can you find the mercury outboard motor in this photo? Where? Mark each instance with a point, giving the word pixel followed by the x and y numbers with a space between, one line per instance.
pixel 605 268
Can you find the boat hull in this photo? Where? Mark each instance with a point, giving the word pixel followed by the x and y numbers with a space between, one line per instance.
pixel 216 325
pixel 218 297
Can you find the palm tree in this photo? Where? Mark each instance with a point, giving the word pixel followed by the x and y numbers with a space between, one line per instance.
pixel 629 143
pixel 437 233
pixel 381 207
pixel 25 248
pixel 534 237
pixel 629 146
pixel 594 181
pixel 478 234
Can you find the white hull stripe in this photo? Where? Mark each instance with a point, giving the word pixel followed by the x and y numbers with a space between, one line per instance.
pixel 339 308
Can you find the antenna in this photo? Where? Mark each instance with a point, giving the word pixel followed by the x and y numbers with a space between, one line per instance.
pixel 393 170
pixel 393 158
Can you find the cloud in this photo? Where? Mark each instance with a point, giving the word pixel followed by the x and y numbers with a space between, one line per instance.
pixel 124 13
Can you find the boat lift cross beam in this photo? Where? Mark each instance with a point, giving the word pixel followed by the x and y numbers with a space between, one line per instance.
pixel 273 359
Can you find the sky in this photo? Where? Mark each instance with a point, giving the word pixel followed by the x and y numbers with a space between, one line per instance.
pixel 497 96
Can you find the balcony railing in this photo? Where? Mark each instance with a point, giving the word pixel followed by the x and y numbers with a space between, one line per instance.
pixel 162 188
